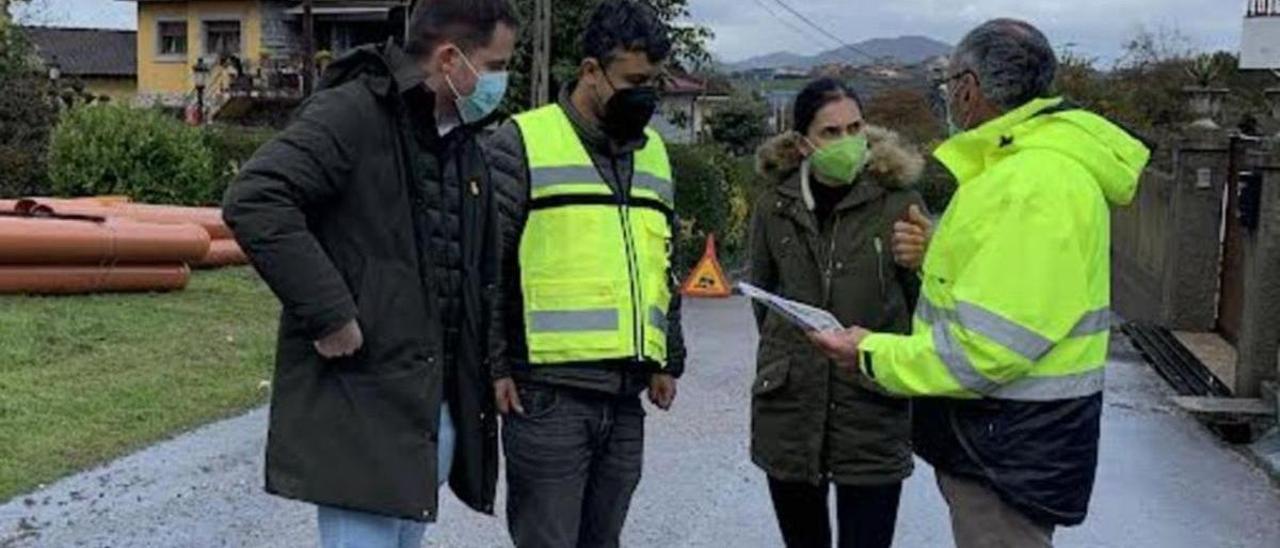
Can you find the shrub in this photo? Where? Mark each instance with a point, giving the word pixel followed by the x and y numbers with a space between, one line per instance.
pixel 144 154
pixel 702 200
pixel 231 147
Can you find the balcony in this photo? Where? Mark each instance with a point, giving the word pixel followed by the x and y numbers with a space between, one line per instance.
pixel 1262 8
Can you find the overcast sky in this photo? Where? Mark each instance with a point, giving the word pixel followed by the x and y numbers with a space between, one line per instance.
pixel 752 27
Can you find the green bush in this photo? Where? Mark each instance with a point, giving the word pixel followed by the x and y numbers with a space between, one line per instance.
pixel 702 200
pixel 144 154
pixel 232 146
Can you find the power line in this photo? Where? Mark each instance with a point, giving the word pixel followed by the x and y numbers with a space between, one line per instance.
pixel 823 31
pixel 787 23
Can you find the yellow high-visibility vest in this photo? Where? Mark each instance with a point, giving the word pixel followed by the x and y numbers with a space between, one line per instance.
pixel 594 265
pixel 1017 280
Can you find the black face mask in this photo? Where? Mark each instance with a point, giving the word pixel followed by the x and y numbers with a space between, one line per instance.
pixel 628 111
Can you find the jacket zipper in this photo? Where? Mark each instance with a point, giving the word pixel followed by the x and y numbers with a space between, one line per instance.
pixel 624 212
pixel 880 264
pixel 831 259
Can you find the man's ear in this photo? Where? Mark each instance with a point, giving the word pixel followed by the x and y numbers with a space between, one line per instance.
pixel 445 57
pixel 587 67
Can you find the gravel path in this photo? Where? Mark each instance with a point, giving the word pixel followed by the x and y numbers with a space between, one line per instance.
pixel 1164 481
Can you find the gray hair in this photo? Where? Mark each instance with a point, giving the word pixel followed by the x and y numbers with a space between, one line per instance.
pixel 1011 59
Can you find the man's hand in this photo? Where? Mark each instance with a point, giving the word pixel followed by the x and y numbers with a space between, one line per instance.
pixel 507 397
pixel 841 346
pixel 911 239
pixel 662 391
pixel 342 343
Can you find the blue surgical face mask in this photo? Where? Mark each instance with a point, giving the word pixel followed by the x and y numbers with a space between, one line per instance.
pixel 491 87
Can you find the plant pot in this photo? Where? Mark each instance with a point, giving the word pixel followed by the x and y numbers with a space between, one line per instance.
pixel 1206 105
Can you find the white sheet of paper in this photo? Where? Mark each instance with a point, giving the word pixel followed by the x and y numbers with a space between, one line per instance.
pixel 808 318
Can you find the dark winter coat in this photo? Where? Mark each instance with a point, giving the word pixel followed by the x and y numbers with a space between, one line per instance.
pixel 360 210
pixel 812 420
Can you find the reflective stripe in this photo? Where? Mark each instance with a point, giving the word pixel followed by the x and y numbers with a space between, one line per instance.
pixel 928 313
pixel 543 177
pixel 553 321
pixel 662 187
pixel 1015 337
pixel 658 318
pixel 957 361
pixel 1053 388
pixel 1098 321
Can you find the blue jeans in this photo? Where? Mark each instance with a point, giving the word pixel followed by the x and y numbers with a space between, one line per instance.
pixel 341 528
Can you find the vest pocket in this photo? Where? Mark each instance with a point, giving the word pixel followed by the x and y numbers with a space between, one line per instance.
pixel 575 320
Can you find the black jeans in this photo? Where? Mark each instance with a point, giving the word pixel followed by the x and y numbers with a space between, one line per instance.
pixel 573 462
pixel 867 515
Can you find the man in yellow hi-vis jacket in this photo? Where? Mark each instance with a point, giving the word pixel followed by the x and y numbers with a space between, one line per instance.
pixel 1010 337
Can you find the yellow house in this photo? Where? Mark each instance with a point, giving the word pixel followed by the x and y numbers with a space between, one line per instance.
pixel 100 60
pixel 261 36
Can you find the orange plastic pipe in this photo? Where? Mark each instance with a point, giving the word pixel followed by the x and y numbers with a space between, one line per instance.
pixel 208 217
pixel 104 200
pixel 35 241
pixel 223 253
pixel 73 280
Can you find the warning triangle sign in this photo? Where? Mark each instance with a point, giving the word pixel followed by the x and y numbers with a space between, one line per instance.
pixel 707 279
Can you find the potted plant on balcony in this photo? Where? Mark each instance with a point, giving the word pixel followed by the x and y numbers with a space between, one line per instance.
pixel 1273 99
pixel 1204 95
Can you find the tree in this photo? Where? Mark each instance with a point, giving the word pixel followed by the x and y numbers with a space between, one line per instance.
pixel 741 124
pixel 908 112
pixel 568 23
pixel 27 116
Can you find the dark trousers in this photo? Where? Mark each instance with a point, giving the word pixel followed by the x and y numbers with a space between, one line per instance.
pixel 573 462
pixel 867 515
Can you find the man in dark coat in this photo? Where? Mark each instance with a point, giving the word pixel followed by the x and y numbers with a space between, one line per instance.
pixel 370 217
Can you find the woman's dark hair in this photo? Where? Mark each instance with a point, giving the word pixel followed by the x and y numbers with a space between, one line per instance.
pixel 819 93
pixel 619 26
pixel 467 23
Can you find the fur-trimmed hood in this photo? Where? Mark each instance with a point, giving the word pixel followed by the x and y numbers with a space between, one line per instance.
pixel 893 163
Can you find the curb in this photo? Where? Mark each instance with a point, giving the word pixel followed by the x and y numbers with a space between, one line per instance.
pixel 1266 451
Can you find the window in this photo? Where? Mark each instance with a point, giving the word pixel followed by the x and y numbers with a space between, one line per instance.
pixel 222 37
pixel 173 38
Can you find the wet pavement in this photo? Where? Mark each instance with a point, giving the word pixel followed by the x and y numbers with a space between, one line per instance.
pixel 1164 481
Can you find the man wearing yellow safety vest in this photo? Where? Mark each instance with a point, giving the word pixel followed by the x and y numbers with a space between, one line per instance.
pixel 586 194
pixel 1010 337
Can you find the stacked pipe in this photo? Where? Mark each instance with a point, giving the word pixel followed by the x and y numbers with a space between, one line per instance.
pixel 53 246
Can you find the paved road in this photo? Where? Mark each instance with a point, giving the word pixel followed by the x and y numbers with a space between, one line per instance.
pixel 1164 481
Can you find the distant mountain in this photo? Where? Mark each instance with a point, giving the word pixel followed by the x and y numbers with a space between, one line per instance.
pixel 906 50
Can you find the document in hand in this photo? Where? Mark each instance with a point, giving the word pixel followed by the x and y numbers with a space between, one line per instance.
pixel 805 317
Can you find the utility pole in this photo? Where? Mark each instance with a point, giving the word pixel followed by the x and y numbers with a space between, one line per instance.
pixel 308 50
pixel 541 85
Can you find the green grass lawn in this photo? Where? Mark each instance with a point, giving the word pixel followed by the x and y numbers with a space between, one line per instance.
pixel 87 379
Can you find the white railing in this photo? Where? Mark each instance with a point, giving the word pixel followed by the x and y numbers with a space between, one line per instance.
pixel 1262 8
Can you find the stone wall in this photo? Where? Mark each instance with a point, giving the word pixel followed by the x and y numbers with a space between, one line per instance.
pixel 1260 330
pixel 1167 244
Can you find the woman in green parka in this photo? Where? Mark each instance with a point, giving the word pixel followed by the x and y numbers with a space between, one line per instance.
pixel 823 237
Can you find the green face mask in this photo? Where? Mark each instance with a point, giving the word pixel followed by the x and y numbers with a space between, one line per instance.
pixel 839 163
